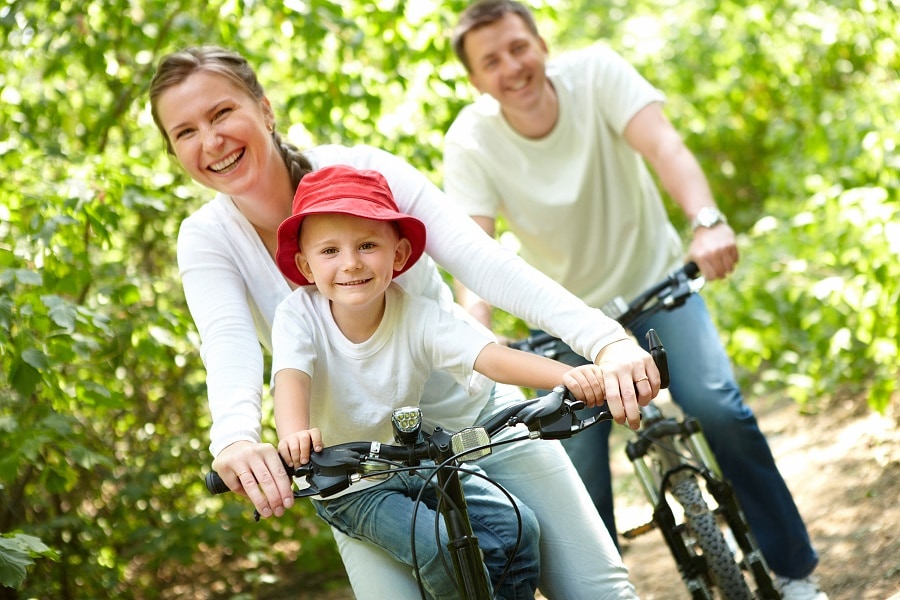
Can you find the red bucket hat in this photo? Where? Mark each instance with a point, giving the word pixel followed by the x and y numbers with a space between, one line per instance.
pixel 341 189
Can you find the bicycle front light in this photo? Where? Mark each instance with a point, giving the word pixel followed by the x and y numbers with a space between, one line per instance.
pixel 407 423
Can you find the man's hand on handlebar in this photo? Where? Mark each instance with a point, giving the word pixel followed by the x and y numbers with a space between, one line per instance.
pixel 715 251
pixel 255 470
pixel 630 380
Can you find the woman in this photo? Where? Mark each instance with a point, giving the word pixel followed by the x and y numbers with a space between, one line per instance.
pixel 217 121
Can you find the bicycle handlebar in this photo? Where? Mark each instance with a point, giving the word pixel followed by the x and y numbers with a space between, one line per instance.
pixel 671 292
pixel 334 468
pixel 667 294
pixel 552 416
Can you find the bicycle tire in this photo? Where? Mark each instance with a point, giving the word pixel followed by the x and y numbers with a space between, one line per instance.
pixel 701 521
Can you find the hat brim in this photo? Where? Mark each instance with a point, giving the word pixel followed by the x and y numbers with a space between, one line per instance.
pixel 410 228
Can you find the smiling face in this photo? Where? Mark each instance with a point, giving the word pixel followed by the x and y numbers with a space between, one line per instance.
pixel 220 134
pixel 507 61
pixel 351 260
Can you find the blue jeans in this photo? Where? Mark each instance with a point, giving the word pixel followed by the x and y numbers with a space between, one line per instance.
pixel 383 516
pixel 576 551
pixel 703 385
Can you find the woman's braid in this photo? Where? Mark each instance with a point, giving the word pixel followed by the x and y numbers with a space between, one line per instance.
pixel 297 164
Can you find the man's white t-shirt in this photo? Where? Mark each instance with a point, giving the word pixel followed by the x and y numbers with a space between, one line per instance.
pixel 580 200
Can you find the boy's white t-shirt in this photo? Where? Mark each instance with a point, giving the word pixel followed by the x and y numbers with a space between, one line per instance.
pixel 570 197
pixel 356 386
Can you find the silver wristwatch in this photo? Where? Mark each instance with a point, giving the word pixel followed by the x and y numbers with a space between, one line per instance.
pixel 709 216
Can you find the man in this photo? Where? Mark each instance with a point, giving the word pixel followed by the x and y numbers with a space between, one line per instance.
pixel 560 150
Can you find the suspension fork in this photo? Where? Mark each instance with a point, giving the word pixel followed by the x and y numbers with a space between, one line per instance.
pixel 656 428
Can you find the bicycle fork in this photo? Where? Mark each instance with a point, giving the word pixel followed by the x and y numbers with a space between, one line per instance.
pixel 672 472
pixel 463 544
pixel 730 509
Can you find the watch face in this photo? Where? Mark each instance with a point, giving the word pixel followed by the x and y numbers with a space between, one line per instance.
pixel 707 217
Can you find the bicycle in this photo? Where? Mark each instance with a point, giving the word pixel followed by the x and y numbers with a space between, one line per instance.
pixel 673 463
pixel 335 468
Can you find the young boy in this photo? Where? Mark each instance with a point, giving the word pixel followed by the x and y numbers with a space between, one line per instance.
pixel 356 346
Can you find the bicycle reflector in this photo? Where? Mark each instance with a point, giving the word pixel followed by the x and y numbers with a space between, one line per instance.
pixel 475 439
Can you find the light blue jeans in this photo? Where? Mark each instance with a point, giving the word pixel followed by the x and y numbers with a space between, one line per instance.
pixel 578 559
pixel 383 515
pixel 703 385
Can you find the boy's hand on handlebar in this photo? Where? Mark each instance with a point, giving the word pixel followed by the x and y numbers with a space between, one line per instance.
pixel 255 470
pixel 630 380
pixel 296 447
pixel 586 384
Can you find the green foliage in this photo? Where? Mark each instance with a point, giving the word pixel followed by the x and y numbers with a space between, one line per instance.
pixel 821 317
pixel 791 108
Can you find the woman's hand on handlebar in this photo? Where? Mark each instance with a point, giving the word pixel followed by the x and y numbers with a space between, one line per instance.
pixel 630 380
pixel 255 470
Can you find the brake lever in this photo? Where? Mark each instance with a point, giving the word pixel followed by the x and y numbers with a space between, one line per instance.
pixel 562 422
pixel 604 414
pixel 544 406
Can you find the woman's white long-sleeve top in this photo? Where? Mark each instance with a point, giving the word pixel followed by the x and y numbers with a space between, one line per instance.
pixel 233 286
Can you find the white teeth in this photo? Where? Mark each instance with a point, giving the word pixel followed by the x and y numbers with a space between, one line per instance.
pixel 518 85
pixel 226 162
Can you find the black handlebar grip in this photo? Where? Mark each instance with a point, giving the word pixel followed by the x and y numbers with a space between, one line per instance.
pixel 692 270
pixel 214 483
pixel 658 352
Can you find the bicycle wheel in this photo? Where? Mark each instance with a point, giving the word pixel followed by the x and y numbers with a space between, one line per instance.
pixel 701 522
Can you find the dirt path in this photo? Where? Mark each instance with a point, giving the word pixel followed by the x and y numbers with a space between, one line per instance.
pixel 844 471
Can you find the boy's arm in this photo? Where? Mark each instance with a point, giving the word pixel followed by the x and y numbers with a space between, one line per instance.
pixel 296 439
pixel 516 367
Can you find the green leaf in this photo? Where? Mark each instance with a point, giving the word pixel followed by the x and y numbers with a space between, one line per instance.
pixel 27 277
pixel 24 378
pixel 12 564
pixel 35 358
pixel 63 313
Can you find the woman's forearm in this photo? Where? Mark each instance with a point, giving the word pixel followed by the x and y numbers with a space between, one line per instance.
pixel 230 350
